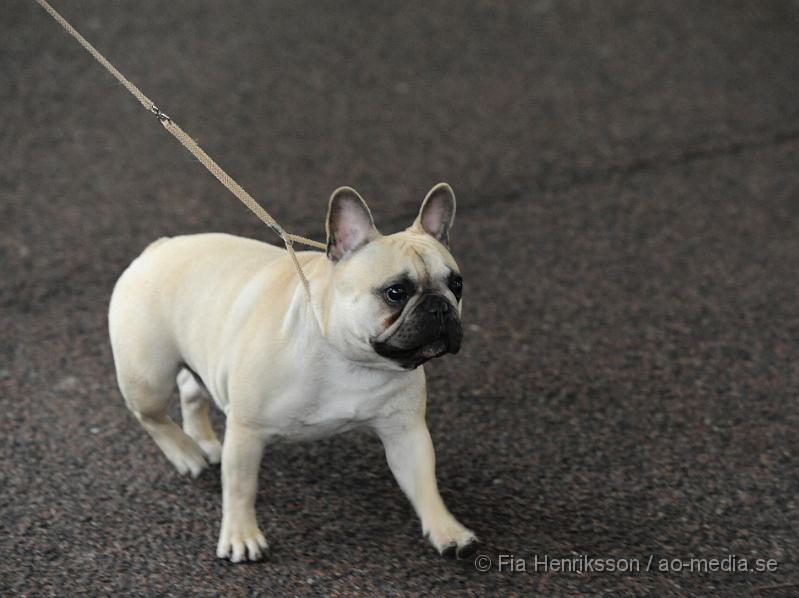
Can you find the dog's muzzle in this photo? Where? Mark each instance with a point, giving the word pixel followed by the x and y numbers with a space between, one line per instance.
pixel 431 330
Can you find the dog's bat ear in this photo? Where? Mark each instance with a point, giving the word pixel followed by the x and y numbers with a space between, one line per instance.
pixel 437 213
pixel 349 223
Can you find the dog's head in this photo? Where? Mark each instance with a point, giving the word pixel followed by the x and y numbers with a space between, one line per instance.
pixel 395 299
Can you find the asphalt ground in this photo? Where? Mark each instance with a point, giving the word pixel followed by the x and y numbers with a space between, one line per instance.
pixel 628 186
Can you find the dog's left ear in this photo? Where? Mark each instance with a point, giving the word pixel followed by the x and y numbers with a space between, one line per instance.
pixel 349 223
pixel 437 213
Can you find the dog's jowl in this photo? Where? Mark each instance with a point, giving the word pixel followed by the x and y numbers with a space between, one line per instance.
pixel 227 320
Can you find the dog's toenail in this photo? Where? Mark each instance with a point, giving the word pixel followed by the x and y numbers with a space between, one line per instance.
pixel 467 549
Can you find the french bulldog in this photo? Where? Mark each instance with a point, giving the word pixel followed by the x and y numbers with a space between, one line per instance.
pixel 227 320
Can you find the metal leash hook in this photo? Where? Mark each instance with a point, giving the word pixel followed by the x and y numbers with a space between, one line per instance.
pixel 163 117
pixel 279 230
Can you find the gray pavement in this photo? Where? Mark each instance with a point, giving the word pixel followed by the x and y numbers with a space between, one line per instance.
pixel 628 184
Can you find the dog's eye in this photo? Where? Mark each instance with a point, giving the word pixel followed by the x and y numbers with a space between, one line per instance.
pixel 396 294
pixel 456 286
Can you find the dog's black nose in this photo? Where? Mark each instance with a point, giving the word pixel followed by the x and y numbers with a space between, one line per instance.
pixel 435 304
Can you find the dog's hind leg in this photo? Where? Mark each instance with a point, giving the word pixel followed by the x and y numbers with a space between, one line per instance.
pixel 194 402
pixel 147 359
pixel 146 366
pixel 149 402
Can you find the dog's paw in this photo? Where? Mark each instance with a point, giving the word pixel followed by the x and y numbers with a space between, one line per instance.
pixel 453 541
pixel 241 544
pixel 212 450
pixel 186 456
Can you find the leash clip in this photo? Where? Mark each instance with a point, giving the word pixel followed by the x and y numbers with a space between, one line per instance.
pixel 163 117
pixel 282 233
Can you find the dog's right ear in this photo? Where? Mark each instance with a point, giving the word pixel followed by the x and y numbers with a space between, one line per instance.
pixel 349 223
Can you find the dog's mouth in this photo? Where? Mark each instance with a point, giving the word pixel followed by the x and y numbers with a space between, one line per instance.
pixel 436 349
pixel 412 358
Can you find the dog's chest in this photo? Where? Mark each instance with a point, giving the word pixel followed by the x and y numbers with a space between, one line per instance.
pixel 320 407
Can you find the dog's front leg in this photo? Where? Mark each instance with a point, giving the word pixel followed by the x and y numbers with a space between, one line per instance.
pixel 240 538
pixel 410 455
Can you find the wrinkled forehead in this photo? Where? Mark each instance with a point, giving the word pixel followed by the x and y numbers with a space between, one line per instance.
pixel 426 261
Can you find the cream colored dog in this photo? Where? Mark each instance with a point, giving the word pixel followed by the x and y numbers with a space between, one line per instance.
pixel 227 317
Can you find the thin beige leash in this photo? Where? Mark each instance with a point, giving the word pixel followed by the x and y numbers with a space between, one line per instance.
pixel 196 150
